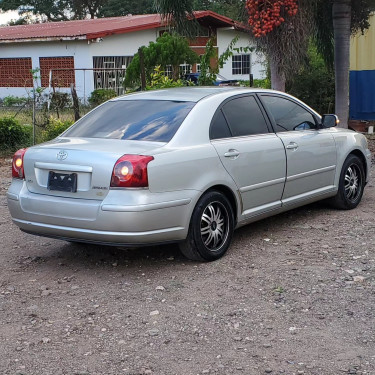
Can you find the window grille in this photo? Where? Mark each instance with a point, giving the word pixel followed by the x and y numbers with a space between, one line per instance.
pixel 240 64
pixel 109 72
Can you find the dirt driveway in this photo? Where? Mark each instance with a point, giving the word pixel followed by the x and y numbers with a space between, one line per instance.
pixel 294 295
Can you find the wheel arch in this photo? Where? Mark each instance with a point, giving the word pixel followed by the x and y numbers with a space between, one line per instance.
pixel 230 195
pixel 362 157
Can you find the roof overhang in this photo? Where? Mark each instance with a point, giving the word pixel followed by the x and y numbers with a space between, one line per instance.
pixel 46 39
pixel 102 34
pixel 205 18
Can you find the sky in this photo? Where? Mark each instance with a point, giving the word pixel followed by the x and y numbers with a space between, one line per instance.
pixel 7 16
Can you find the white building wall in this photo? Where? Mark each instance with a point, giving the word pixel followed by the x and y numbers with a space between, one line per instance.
pixel 123 44
pixel 127 44
pixel 83 52
pixel 257 61
pixel 77 49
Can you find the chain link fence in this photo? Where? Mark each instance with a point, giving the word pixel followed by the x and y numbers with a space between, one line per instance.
pixel 66 99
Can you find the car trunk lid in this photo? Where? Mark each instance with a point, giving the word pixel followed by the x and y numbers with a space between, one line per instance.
pixel 78 167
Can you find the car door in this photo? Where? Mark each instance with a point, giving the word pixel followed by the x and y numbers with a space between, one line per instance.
pixel 251 154
pixel 310 150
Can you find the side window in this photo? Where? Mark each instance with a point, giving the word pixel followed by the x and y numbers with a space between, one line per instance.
pixel 219 127
pixel 244 117
pixel 288 115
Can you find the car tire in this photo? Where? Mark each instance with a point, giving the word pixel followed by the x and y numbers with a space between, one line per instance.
pixel 211 228
pixel 351 184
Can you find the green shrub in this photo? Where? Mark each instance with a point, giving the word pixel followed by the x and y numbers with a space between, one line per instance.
pixel 169 49
pixel 100 96
pixel 60 100
pixel 161 81
pixel 315 84
pixel 262 83
pixel 13 135
pixel 12 101
pixel 54 128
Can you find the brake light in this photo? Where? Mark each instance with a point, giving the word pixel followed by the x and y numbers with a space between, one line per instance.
pixel 17 164
pixel 131 171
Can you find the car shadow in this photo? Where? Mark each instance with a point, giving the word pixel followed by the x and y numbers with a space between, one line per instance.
pixel 283 221
pixel 78 255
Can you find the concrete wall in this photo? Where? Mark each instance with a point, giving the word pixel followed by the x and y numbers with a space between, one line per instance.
pixel 224 37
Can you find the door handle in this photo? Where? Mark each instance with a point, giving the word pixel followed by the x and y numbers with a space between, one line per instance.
pixel 292 146
pixel 232 153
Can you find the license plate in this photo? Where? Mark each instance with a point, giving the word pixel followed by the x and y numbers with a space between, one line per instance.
pixel 62 181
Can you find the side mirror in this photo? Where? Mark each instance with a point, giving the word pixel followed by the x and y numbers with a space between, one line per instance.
pixel 329 121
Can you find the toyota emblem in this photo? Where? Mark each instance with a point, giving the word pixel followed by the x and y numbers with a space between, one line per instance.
pixel 62 155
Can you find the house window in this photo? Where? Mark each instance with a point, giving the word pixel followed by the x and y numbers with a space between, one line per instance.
pixel 241 64
pixel 203 31
pixel 185 69
pixel 62 71
pixel 168 70
pixel 16 72
pixel 109 72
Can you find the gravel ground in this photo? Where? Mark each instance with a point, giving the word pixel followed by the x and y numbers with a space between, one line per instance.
pixel 294 295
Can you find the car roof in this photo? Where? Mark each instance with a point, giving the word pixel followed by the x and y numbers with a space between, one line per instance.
pixel 189 94
pixel 195 94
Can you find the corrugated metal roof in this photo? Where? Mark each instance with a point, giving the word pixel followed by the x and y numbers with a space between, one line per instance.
pixel 99 27
pixel 362 51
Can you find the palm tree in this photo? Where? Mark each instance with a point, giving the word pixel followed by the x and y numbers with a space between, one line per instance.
pixel 341 15
pixel 286 45
pixel 179 13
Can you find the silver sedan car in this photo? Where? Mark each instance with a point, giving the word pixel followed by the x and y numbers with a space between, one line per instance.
pixel 185 165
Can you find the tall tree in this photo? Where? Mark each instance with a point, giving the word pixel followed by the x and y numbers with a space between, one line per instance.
pixel 336 21
pixel 341 15
pixel 286 47
pixel 50 10
pixel 234 9
pixel 178 14
pixel 282 29
pixel 115 8
pixel 57 10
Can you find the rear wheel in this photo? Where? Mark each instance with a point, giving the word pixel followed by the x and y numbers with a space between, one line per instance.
pixel 351 185
pixel 211 228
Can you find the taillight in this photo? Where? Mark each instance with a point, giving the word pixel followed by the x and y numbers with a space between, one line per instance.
pixel 131 171
pixel 17 164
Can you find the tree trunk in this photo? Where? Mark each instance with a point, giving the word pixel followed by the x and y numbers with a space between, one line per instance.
pixel 341 13
pixel 142 67
pixel 176 72
pixel 277 77
pixel 75 102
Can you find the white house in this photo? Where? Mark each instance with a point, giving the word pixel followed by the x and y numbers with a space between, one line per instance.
pixel 95 53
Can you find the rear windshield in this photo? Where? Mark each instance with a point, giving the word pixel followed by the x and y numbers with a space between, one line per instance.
pixel 142 120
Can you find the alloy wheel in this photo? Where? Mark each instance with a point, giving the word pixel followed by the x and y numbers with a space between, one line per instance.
pixel 353 182
pixel 214 226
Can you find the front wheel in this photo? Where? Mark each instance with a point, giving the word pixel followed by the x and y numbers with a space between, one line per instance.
pixel 211 228
pixel 351 185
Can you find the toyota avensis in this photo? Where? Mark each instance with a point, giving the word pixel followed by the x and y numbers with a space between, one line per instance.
pixel 185 165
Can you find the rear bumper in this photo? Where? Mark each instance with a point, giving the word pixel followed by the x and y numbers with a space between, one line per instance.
pixel 103 237
pixel 142 218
